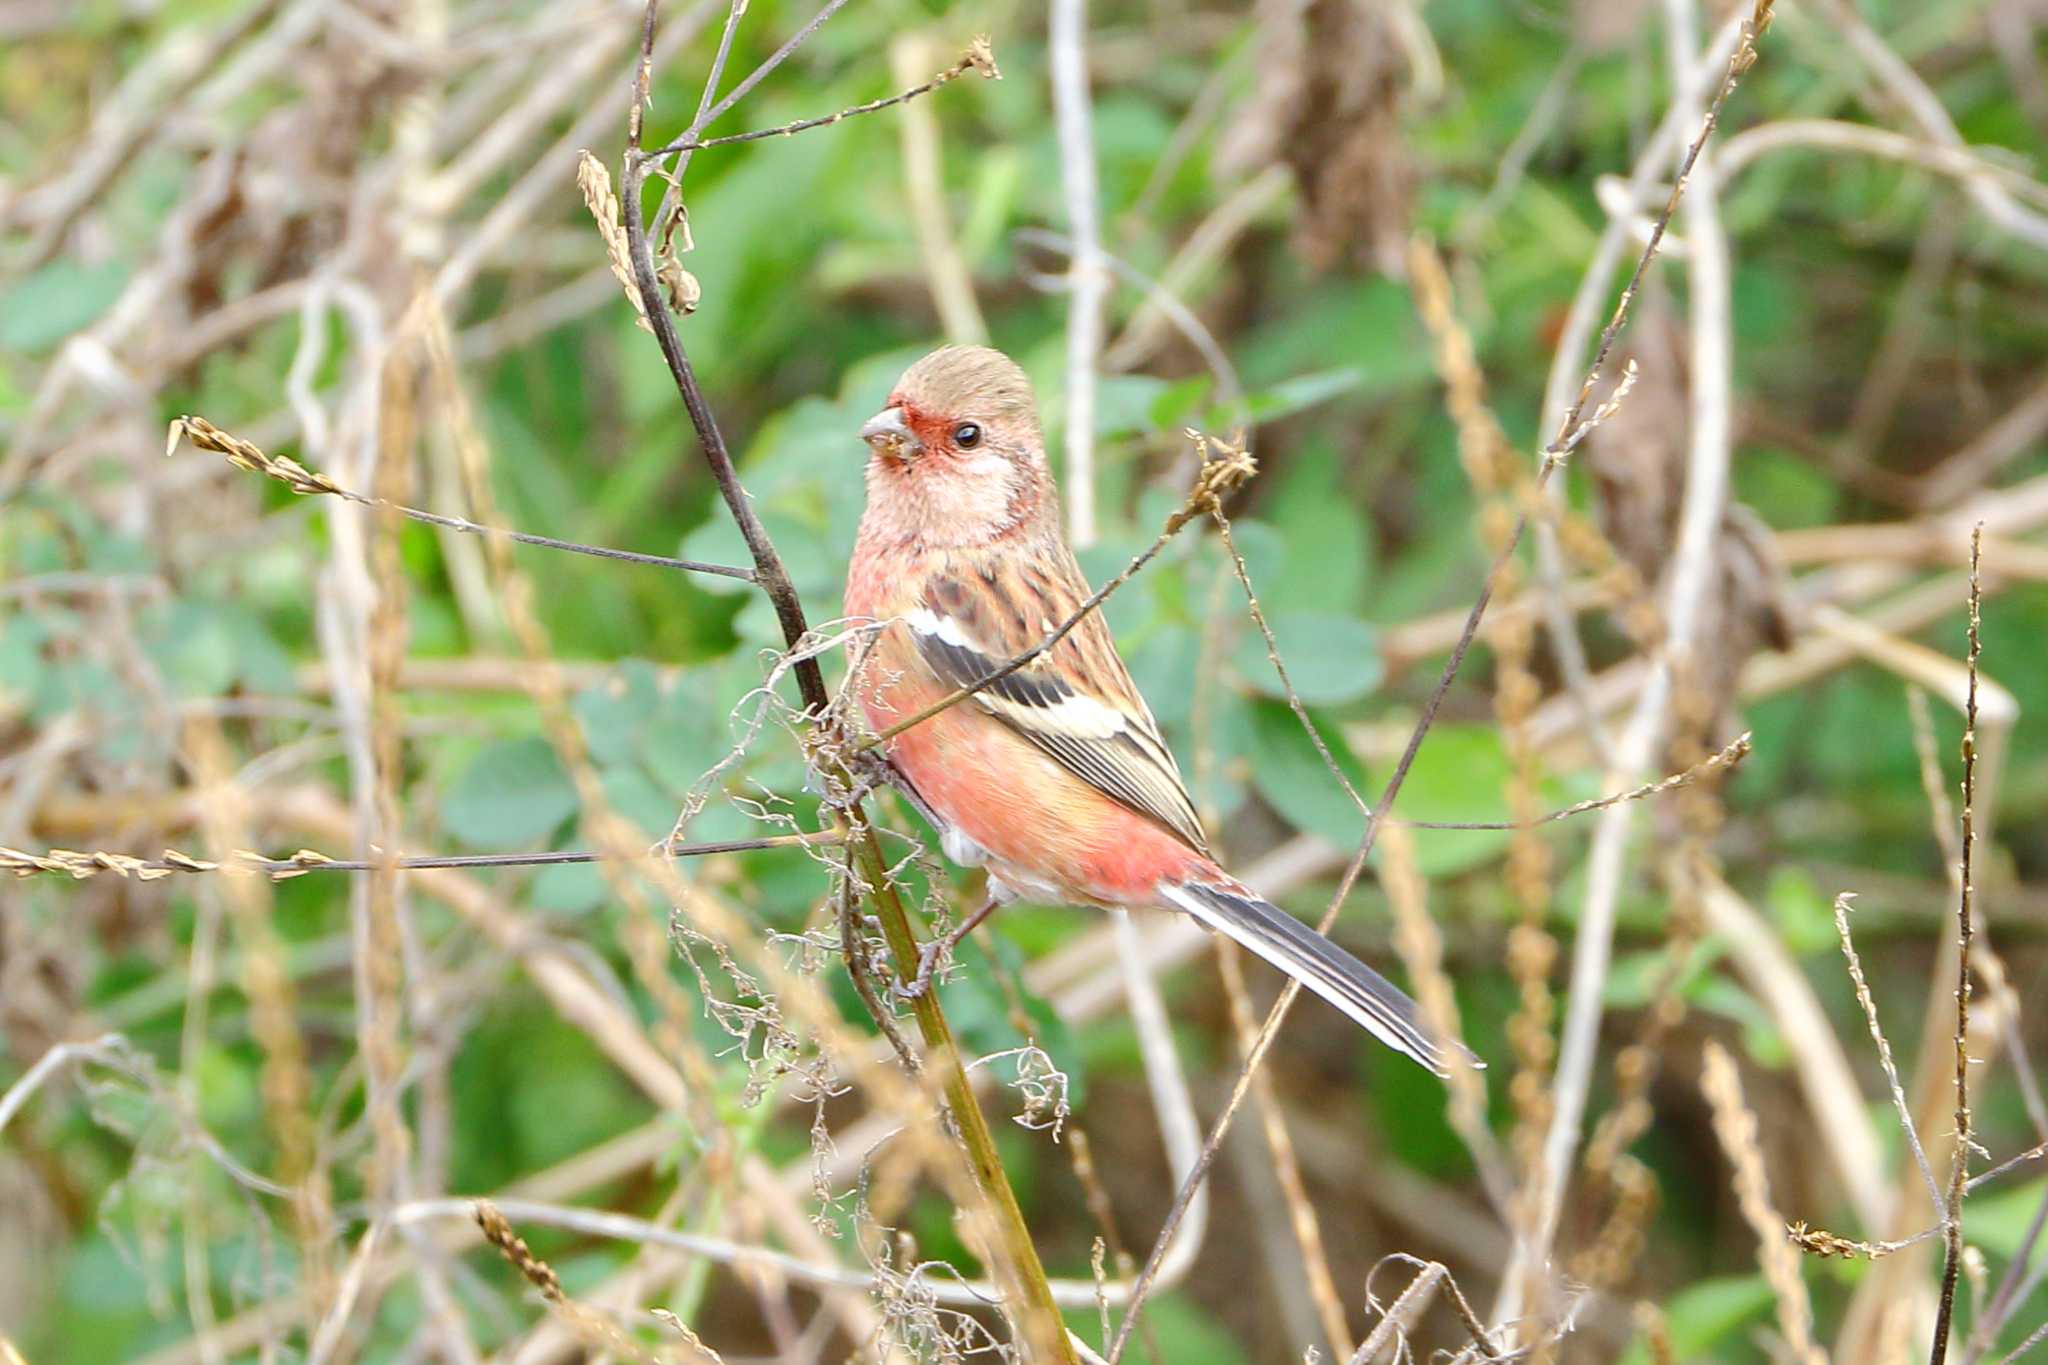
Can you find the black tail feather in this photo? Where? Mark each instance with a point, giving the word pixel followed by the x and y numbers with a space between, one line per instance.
pixel 1284 941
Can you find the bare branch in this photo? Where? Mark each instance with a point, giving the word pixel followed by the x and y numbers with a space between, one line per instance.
pixel 1959 1162
pixel 979 58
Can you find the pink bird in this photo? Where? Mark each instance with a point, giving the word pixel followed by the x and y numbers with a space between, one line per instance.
pixel 1055 777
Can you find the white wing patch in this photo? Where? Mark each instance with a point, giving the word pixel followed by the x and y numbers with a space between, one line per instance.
pixel 925 621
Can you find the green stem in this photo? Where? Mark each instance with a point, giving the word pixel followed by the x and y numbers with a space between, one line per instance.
pixel 1038 1315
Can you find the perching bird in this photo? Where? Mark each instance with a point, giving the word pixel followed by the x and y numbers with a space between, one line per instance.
pixel 1055 777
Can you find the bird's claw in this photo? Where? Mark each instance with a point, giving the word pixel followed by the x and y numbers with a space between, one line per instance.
pixel 930 958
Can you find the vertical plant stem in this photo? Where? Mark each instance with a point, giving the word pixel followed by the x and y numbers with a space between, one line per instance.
pixel 1087 278
pixel 1036 1311
pixel 1959 1164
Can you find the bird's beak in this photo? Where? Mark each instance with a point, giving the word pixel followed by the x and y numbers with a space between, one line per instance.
pixel 888 434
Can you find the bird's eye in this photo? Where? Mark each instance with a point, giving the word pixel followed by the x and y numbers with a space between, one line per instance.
pixel 967 436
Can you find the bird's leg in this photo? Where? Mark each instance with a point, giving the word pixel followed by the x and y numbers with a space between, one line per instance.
pixel 871 772
pixel 853 947
pixel 939 949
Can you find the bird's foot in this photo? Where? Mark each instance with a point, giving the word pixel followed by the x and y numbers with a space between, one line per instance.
pixel 931 959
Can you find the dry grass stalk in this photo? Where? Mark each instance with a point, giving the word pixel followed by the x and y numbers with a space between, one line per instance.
pixel 1721 760
pixel 1301 1211
pixel 1687 872
pixel 1820 1242
pixel 1959 1162
pixel 1420 946
pixel 946 270
pixel 600 1332
pixel 1843 904
pixel 647 945
pixel 1736 1127
pixel 80 865
pixel 603 201
pixel 1693 559
pixel 245 455
pixel 1391 1334
pixel 1655 1333
pixel 287 1079
pixel 1499 480
pixel 980 58
pixel 380 966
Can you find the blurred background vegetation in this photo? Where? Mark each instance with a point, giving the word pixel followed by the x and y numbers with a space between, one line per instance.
pixel 229 208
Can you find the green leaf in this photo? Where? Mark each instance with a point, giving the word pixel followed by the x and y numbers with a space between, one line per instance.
pixel 21 658
pixel 688 731
pixel 1124 402
pixel 1292 778
pixel 1328 548
pixel 1998 1221
pixel 1185 1328
pixel 62 298
pixel 1178 405
pixel 1704 1313
pixel 1804 917
pixel 191 644
pixel 569 888
pixel 1460 774
pixel 615 713
pixel 1290 396
pixel 510 794
pixel 1330 657
pixel 633 796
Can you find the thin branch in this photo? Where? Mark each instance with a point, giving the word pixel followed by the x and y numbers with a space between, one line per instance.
pixel 980 58
pixel 2011 1163
pixel 48 1065
pixel 1959 1163
pixel 1884 1054
pixel 1728 757
pixel 2034 1338
pixel 79 866
pixel 740 91
pixel 295 476
pixel 1820 1242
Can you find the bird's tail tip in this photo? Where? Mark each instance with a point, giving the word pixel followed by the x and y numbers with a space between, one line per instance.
pixel 1361 993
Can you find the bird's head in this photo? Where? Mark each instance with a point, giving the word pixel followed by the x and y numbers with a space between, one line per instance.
pixel 957 457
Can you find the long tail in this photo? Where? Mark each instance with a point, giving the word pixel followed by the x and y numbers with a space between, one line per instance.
pixel 1360 992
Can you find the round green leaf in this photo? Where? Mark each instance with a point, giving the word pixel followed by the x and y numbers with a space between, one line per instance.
pixel 1331 658
pixel 512 793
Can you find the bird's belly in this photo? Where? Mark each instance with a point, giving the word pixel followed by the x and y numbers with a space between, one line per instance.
pixel 1042 832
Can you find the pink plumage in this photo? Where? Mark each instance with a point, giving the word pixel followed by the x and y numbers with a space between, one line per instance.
pixel 1055 777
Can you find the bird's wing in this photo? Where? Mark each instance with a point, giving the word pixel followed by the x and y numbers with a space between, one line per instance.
pixel 1076 702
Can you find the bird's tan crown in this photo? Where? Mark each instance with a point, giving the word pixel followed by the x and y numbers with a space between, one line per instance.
pixel 968 381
